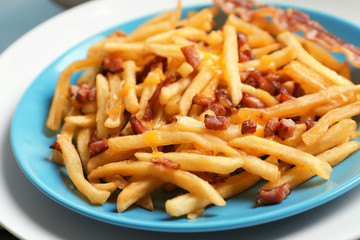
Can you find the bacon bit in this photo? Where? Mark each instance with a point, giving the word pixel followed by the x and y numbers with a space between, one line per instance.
pixel 217 108
pixel 210 177
pixel 112 65
pixel 157 91
pixel 294 20
pixel 242 40
pixel 82 94
pixel 180 26
pixel 244 76
pixel 262 82
pixel 273 196
pixel 248 126
pixel 271 126
pixel 93 138
pixel 55 146
pixel 191 56
pixel 216 122
pixel 73 90
pixel 285 96
pixel 252 102
pixel 240 7
pixel 203 100
pixel 137 126
pixel 98 147
pixel 148 115
pixel 165 163
pixel 286 128
pixel 157 61
pixel 92 94
pixel 224 99
pixel 309 124
pixel 245 55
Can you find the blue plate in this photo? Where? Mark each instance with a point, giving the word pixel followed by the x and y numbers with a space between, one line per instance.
pixel 31 140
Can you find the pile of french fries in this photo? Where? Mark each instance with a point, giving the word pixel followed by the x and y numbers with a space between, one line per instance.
pixel 233 160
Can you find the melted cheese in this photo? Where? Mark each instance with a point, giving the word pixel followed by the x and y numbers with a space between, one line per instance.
pixel 152 139
pixel 154 77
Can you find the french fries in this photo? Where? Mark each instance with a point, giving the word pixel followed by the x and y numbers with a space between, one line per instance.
pixel 178 104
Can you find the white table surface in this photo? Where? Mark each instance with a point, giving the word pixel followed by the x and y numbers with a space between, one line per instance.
pixel 29 214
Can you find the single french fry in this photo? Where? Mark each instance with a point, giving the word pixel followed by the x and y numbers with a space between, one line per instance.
pixel 61 90
pixel 125 47
pixel 198 162
pixel 165 50
pixel 146 202
pixel 230 63
pixel 107 156
pixel 160 138
pixel 88 76
pixel 298 106
pixel 185 69
pixel 88 120
pixel 297 175
pixel 115 106
pixel 262 51
pixel 75 172
pixel 82 142
pixel 197 85
pixel 322 55
pixel 120 182
pixel 335 135
pixel 173 89
pixel 285 153
pixel 314 134
pixel 340 101
pixel 148 30
pixel 135 191
pixel 185 180
pixel 304 57
pixel 102 97
pixel 128 92
pixel 272 61
pixel 110 186
pixel 189 202
pixel 309 80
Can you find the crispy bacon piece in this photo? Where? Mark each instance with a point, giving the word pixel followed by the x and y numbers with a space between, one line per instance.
pixel 217 108
pixel 82 94
pixel 154 98
pixel 262 82
pixel 73 90
pixel 191 56
pixel 165 163
pixel 294 20
pixel 245 55
pixel 309 124
pixel 216 122
pixel 203 100
pixel 286 128
pixel 55 146
pixel 241 7
pixel 273 196
pixel 92 94
pixel 148 115
pixel 271 126
pixel 112 64
pixel 224 99
pixel 98 147
pixel 248 126
pixel 137 126
pixel 210 177
pixel 157 61
pixel 252 102
pixel 285 96
pixel 171 119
